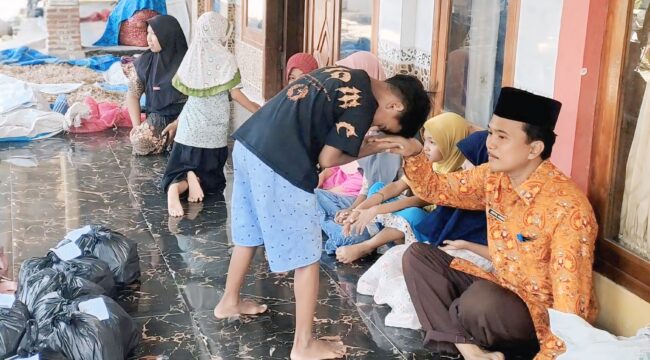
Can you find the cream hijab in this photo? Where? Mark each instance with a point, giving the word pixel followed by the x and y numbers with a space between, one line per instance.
pixel 447 129
pixel 208 67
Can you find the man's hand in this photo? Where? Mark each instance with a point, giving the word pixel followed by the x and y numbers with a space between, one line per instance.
pixel 454 245
pixel 170 131
pixel 397 144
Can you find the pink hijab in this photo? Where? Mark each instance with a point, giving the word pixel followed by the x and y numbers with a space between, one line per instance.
pixel 303 61
pixel 364 60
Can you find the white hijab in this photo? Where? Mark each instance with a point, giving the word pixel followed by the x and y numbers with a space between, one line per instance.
pixel 207 63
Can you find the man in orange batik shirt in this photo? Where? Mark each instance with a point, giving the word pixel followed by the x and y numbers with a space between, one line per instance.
pixel 541 236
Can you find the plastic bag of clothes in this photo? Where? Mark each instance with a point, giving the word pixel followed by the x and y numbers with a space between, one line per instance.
pixel 82 336
pixel 31 346
pixel 13 319
pixel 119 252
pixel 120 324
pixel 86 267
pixel 111 313
pixel 38 285
pixel 50 304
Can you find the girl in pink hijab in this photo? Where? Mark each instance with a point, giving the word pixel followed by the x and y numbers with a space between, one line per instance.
pixel 364 60
pixel 300 64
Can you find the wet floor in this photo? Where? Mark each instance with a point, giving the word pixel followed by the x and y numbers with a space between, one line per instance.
pixel 52 186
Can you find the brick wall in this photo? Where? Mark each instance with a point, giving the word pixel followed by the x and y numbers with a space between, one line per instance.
pixel 62 24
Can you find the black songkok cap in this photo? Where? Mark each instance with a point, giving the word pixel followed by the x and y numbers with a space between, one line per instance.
pixel 522 106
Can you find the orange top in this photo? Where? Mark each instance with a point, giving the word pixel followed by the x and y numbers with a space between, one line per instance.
pixel 541 237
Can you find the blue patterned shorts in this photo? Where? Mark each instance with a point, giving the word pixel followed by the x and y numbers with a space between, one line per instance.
pixel 268 210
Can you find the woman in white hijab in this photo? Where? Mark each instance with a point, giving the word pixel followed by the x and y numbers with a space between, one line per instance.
pixel 209 76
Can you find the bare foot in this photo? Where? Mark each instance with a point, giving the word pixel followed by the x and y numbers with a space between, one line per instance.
pixel 245 307
pixel 351 253
pixel 196 193
pixel 473 352
pixel 318 349
pixel 174 206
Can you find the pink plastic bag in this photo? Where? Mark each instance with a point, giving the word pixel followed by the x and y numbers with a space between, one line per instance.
pixel 103 116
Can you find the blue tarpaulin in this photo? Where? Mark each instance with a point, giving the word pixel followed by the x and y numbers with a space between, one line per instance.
pixel 26 56
pixel 123 11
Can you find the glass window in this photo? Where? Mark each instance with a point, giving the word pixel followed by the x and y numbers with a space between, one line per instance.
pixel 255 13
pixel 634 141
pixel 475 49
pixel 356 26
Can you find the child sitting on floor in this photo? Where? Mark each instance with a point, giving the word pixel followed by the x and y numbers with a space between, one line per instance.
pixel 460 233
pixel 399 214
pixel 208 75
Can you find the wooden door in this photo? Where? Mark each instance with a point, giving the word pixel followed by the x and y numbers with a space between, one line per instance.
pixel 323 29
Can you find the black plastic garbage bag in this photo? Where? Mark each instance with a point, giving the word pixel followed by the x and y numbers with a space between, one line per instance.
pixel 121 324
pixel 49 305
pixel 12 326
pixel 86 267
pixel 38 285
pixel 81 336
pixel 30 345
pixel 118 251
pixel 75 287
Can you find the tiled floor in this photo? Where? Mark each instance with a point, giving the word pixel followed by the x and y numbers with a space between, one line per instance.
pixel 55 185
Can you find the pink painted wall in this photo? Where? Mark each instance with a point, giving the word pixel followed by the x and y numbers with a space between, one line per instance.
pixel 576 84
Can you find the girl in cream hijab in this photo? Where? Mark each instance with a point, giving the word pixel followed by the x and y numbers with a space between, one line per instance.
pixel 398 214
pixel 209 76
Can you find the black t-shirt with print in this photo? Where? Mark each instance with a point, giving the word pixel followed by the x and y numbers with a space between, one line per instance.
pixel 330 106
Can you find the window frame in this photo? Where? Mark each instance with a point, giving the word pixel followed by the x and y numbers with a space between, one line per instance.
pixel 613 260
pixel 439 41
pixel 252 37
pixel 374 34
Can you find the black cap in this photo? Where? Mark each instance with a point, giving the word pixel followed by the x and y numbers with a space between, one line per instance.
pixel 523 106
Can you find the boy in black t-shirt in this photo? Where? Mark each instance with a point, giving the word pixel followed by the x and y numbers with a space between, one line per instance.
pixel 319 119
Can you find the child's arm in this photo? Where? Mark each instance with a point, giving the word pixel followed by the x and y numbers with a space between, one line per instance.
pixel 401 204
pixel 243 100
pixel 331 156
pixel 388 192
pixel 136 89
pixel 363 217
pixel 479 249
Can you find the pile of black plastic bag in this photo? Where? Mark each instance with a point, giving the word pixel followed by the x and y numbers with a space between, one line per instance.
pixel 63 308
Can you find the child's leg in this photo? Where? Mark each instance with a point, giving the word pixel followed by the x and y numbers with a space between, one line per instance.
pixel 304 345
pixel 231 304
pixel 174 192
pixel 351 253
pixel 196 192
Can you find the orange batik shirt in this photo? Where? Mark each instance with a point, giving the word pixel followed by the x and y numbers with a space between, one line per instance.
pixel 541 236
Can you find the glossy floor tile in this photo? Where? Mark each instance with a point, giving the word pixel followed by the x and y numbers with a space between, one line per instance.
pixel 50 187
